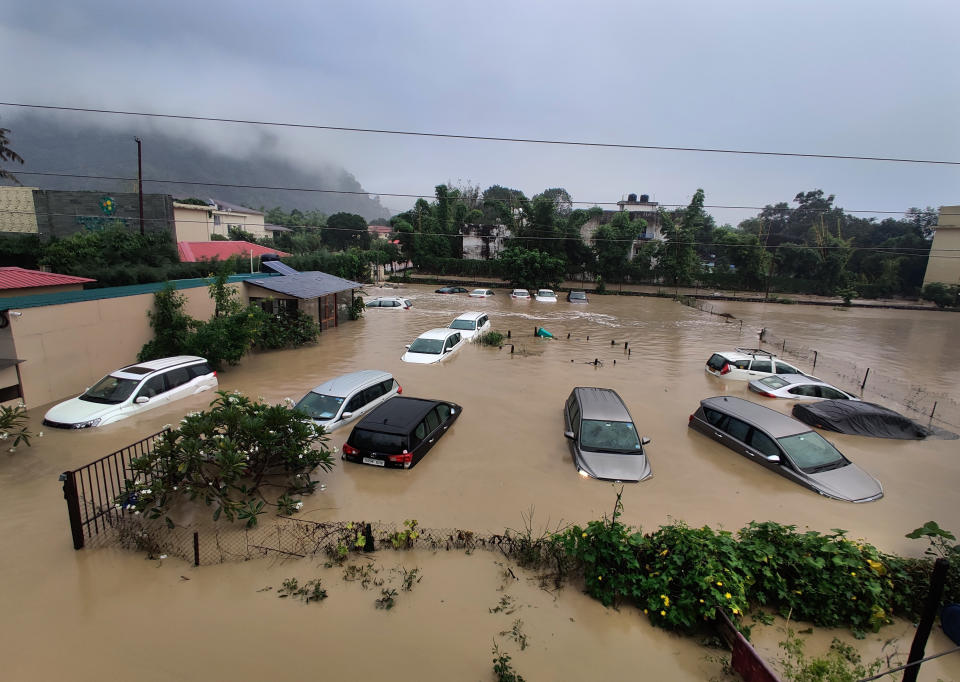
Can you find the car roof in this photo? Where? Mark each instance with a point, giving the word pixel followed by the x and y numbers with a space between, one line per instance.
pixel 472 316
pixel 602 403
pixel 438 333
pixel 775 423
pixel 398 415
pixel 346 384
pixel 799 379
pixel 141 369
pixel 543 290
pixel 390 298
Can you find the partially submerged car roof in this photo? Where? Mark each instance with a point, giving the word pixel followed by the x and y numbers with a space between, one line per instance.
pixel 143 368
pixel 398 415
pixel 345 384
pixel 472 316
pixel 602 403
pixel 860 418
pixel 775 423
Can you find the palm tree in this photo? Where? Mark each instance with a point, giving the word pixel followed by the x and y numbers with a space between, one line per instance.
pixel 7 154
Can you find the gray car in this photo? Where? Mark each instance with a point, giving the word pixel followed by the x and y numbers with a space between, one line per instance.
pixel 785 446
pixel 602 436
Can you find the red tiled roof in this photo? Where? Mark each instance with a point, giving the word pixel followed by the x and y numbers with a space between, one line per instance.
pixel 379 229
pixel 21 278
pixel 193 252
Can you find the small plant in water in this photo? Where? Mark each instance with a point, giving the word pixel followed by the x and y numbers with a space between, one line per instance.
pixel 841 663
pixel 502 667
pixel 308 592
pixel 490 338
pixel 506 605
pixel 410 578
pixel 365 575
pixel 405 538
pixel 517 634
pixel 387 599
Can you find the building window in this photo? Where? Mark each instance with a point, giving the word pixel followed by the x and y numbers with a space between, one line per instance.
pixel 276 306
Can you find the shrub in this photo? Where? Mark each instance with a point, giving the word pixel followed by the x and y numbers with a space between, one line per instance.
pixel 13 422
pixel 490 338
pixel 285 331
pixel 943 295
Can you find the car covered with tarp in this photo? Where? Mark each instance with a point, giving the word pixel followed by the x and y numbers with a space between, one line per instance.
pixel 861 419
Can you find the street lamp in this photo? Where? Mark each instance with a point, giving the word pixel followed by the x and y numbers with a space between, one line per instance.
pixel 140 181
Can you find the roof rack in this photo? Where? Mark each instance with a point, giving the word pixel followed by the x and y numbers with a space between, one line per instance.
pixel 755 351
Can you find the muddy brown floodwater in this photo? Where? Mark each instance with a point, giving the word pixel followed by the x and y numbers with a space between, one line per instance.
pixel 104 613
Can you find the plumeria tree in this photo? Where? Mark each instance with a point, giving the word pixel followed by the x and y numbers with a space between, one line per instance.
pixel 238 457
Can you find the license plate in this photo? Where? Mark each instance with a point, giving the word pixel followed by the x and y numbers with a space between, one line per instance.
pixel 374 462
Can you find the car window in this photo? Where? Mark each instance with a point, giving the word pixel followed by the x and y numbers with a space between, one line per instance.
pixel 386 386
pixel 177 377
pixel 433 420
pixel 764 443
pixel 607 436
pixel 419 434
pixel 784 368
pixel 716 362
pixel 372 304
pixel 319 406
pixel 741 364
pixel 355 403
pixel 444 411
pixel 737 428
pixel 812 452
pixel 463 324
pixel 153 386
pixel 774 382
pixel 832 393
pixel 762 366
pixel 804 390
pixel 199 370
pixel 714 418
pixel 374 441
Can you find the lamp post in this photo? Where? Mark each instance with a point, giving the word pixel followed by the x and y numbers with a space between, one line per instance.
pixel 140 181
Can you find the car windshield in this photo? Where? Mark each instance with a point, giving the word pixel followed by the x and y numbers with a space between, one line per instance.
pixel 520 292
pixel 480 292
pixel 463 324
pixel 374 441
pixel 774 382
pixel 577 294
pixel 320 407
pixel 545 292
pixel 811 452
pixel 430 346
pixel 607 436
pixel 110 390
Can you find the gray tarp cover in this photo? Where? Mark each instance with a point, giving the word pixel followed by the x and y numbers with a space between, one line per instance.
pixel 859 418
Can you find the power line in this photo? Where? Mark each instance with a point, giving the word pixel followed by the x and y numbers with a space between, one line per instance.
pixel 431 196
pixel 483 138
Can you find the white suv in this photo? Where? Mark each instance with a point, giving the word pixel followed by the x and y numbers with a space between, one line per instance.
pixel 745 364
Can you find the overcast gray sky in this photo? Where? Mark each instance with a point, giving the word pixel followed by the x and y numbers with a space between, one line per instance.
pixel 873 78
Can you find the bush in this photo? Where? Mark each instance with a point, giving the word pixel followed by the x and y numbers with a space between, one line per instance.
pixel 490 338
pixel 944 295
pixel 285 331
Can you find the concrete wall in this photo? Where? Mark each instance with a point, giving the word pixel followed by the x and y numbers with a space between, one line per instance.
pixel 60 213
pixel 17 212
pixel 946 242
pixel 68 347
pixel 192 223
pixel 250 222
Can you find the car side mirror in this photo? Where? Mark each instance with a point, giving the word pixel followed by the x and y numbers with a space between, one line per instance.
pixel 773 459
pixel 407 346
pixel 453 411
pixel 346 415
pixel 644 441
pixel 141 399
pixel 569 434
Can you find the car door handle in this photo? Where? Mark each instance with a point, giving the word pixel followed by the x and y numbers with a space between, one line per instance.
pixel 718 435
pixel 431 440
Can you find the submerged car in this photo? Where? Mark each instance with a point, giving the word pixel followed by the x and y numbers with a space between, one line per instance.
pixel 339 401
pixel 797 387
pixel 482 293
pixel 471 324
pixel 132 390
pixel 394 302
pixel 521 294
pixel 451 290
pixel 745 364
pixel 577 297
pixel 546 296
pixel 864 419
pixel 400 432
pixel 785 446
pixel 602 436
pixel 434 346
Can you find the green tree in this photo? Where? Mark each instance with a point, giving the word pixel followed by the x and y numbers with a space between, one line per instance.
pixel 677 258
pixel 8 155
pixel 612 244
pixel 346 230
pixel 530 268
pixel 745 253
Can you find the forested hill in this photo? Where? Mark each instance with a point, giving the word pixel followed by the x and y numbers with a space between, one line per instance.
pixel 62 146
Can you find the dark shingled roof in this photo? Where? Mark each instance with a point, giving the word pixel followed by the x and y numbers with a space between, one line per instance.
pixel 307 284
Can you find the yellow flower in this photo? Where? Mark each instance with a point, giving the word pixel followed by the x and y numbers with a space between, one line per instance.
pixel 599 577
pixel 798 591
pixel 736 610
pixel 719 584
pixel 853 573
pixel 728 595
pixel 854 597
pixel 663 596
pixel 584 535
pixel 664 552
pixel 644 612
pixel 666 601
pixel 701 601
pixel 663 613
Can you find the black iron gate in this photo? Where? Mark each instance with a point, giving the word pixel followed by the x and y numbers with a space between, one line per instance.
pixel 92 490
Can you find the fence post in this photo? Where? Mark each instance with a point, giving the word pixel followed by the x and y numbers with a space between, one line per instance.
pixel 783 348
pixel 814 361
pixel 937 581
pixel 196 548
pixel 73 507
pixel 933 410
pixel 866 374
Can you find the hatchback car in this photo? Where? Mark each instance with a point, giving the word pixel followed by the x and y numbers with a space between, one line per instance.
pixel 392 302
pixel 132 390
pixel 546 296
pixel 339 401
pixel 481 293
pixel 602 436
pixel 521 294
pixel 785 446
pixel 797 387
pixel 400 432
pixel 471 324
pixel 577 296
pixel 451 290
pixel 434 346
pixel 745 364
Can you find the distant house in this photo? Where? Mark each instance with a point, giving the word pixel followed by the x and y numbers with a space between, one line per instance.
pixel 325 298
pixel 195 222
pixel 637 209
pixel 193 252
pixel 483 241
pixel 946 241
pixel 380 231
pixel 23 282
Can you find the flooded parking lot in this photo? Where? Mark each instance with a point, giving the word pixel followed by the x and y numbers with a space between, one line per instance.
pixel 504 456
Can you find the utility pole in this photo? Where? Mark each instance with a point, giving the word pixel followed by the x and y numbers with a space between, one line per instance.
pixel 140 181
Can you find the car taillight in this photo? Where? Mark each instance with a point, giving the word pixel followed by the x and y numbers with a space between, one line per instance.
pixel 349 449
pixel 399 389
pixel 769 395
pixel 690 419
pixel 214 374
pixel 405 458
pixel 725 368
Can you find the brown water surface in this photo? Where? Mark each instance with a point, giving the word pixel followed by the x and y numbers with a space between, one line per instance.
pixel 105 612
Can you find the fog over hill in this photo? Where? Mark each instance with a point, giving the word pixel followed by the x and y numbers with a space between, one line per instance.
pixel 68 145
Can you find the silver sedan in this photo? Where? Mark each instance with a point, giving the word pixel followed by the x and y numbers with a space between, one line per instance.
pixel 797 387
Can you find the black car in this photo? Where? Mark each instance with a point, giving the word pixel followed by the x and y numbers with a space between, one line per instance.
pixel 451 290
pixel 400 432
pixel 577 296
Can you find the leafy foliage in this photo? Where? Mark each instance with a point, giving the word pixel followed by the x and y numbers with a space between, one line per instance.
pixel 227 457
pixel 13 423
pixel 531 269
pixel 285 331
pixel 841 663
pixel 502 667
pixel 944 295
pixel 490 338
pixel 7 155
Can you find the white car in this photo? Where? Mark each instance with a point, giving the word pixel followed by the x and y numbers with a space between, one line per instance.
pixel 797 387
pixel 471 324
pixel 435 345
pixel 481 293
pixel 132 390
pixel 745 364
pixel 521 294
pixel 393 302
pixel 339 401
pixel 546 296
